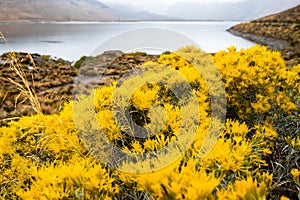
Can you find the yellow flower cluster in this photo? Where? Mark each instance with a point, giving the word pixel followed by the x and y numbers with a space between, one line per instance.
pixel 258 83
pixel 188 182
pixel 163 121
pixel 234 163
pixel 42 158
pixel 296 176
pixel 294 142
pixel 143 98
pixel 46 157
pixel 79 178
pixel 247 188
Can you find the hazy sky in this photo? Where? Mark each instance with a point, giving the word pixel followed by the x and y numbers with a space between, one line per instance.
pixel 157 6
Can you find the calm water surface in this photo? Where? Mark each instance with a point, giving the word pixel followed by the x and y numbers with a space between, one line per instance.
pixel 72 40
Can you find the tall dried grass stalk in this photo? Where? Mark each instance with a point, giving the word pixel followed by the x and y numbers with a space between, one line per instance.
pixel 24 87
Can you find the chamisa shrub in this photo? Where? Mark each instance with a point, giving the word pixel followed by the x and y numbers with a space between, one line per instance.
pixel 48 157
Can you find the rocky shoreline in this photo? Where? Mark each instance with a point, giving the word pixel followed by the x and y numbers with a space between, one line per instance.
pixel 272 43
pixel 53 79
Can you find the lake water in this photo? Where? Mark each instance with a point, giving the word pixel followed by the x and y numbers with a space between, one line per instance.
pixel 73 39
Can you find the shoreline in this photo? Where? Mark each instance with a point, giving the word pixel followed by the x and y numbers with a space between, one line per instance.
pixel 272 43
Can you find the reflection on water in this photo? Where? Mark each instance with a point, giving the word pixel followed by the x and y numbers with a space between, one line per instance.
pixel 72 40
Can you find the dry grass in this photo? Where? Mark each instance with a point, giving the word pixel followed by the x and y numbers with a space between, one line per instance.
pixel 24 87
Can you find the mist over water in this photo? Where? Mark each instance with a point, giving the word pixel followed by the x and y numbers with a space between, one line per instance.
pixel 74 39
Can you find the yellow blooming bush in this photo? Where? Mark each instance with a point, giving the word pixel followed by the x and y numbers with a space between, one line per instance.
pixel 234 163
pixel 260 89
pixel 247 189
pixel 48 157
pixel 258 84
pixel 79 178
pixel 42 158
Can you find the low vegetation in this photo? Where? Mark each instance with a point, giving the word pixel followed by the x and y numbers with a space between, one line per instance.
pixel 255 157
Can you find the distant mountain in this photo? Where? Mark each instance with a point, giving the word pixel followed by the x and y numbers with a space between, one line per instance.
pixel 55 10
pixel 127 13
pixel 242 10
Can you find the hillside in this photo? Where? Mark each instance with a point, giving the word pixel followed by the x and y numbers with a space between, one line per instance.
pixel 55 10
pixel 279 31
pixel 127 13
